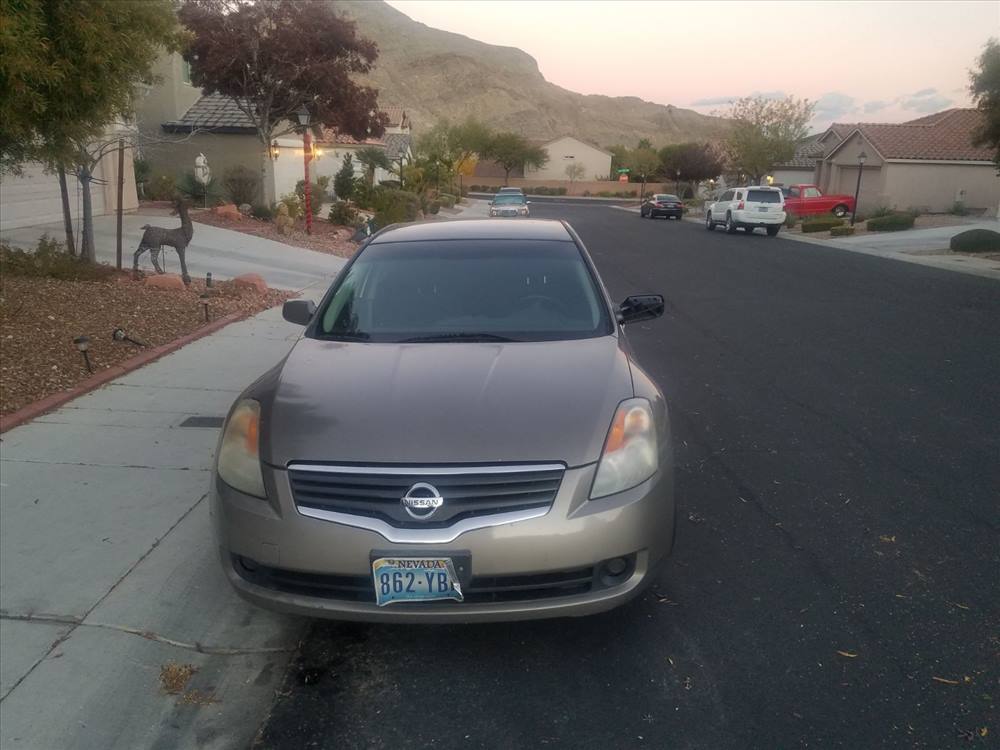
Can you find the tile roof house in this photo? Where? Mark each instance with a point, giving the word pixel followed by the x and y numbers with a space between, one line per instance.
pixel 214 125
pixel 929 163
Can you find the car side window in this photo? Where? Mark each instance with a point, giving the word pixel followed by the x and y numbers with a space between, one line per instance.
pixel 726 196
pixel 812 193
pixel 793 192
pixel 739 195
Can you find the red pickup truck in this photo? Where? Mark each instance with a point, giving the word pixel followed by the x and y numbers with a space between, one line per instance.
pixel 806 200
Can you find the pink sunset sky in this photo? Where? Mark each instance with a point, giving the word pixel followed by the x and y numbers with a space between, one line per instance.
pixel 859 61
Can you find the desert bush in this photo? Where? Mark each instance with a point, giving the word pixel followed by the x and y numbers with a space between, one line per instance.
pixel 209 194
pixel 841 231
pixel 242 184
pixel 791 219
pixel 296 208
pixel 879 212
pixel 317 196
pixel 891 223
pixel 821 224
pixel 586 193
pixel 433 207
pixel 160 188
pixel 959 209
pixel 916 211
pixel 262 212
pixel 446 200
pixel 343 214
pixel 394 206
pixel 49 259
pixel 976 241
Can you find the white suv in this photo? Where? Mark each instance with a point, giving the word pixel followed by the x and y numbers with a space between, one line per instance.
pixel 748 208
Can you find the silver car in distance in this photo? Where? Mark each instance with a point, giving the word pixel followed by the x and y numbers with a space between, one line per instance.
pixel 461 434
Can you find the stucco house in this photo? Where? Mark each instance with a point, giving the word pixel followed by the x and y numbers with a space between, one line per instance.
pixel 179 122
pixel 567 150
pixel 929 163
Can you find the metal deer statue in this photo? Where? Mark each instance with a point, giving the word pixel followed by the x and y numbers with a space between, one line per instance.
pixel 154 238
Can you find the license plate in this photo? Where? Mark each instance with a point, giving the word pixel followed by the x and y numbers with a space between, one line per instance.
pixel 414 579
pixel 765 209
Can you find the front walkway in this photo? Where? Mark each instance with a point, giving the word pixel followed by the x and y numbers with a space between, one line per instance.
pixel 108 568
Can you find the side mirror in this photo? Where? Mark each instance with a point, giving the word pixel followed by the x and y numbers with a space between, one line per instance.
pixel 298 311
pixel 527 203
pixel 638 307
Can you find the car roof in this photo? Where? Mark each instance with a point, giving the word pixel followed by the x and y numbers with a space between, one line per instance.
pixel 511 190
pixel 475 229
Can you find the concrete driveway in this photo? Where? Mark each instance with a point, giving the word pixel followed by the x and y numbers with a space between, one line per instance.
pixel 223 252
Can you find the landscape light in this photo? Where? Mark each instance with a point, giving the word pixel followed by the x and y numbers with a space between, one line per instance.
pixel 119 335
pixel 83 345
pixel 203 301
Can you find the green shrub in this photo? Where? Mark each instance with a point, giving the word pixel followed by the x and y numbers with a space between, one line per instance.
pixel 49 259
pixel 343 181
pixel 891 223
pixel 160 188
pixel 365 196
pixel 586 193
pixel 959 209
pixel 262 212
pixel 448 201
pixel 242 185
pixel 394 206
pixel 976 241
pixel 143 171
pixel 841 231
pixel 605 194
pixel 791 219
pixel 317 196
pixel 433 207
pixel 208 194
pixel 343 214
pixel 561 191
pixel 879 212
pixel 821 224
pixel 915 211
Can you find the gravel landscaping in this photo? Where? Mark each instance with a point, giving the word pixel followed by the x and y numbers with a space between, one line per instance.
pixel 40 317
pixel 325 238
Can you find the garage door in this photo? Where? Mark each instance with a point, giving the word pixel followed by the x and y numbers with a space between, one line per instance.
pixel 33 198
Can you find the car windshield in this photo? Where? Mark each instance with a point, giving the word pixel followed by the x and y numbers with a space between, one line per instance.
pixel 509 199
pixel 764 196
pixel 488 290
pixel 665 198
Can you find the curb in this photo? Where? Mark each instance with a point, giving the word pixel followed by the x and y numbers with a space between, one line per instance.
pixel 47 404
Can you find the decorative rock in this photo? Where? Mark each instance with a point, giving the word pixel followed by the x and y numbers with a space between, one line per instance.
pixel 168 281
pixel 251 281
pixel 246 209
pixel 282 220
pixel 227 209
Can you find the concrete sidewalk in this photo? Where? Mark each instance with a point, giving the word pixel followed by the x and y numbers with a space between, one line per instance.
pixel 222 251
pixel 108 570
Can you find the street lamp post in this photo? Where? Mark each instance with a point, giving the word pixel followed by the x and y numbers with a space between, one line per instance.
pixel 862 158
pixel 678 186
pixel 303 115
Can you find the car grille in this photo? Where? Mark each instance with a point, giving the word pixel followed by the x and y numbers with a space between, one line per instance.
pixel 479 589
pixel 508 212
pixel 377 492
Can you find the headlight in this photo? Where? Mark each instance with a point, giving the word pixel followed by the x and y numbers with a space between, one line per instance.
pixel 239 451
pixel 630 453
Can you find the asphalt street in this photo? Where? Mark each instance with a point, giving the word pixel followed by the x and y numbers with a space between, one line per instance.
pixel 836 579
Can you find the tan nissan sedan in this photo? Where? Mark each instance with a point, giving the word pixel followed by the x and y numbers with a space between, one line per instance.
pixel 461 434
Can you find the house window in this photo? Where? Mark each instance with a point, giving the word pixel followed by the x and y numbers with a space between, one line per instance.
pixel 186 71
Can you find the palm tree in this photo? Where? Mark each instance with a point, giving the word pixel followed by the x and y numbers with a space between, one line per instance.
pixel 372 157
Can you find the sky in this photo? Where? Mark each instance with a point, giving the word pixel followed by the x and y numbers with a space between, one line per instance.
pixel 859 61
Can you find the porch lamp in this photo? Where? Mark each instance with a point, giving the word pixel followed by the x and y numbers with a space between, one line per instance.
pixel 862 158
pixel 303 114
pixel 82 345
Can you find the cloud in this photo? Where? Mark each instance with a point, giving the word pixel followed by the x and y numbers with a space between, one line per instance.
pixel 923 92
pixel 714 101
pixel 874 106
pixel 770 94
pixel 926 103
pixel 832 105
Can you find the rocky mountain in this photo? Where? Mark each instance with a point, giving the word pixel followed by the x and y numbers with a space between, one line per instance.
pixel 437 74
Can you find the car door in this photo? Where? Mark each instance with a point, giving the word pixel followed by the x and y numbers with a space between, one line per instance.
pixel 720 207
pixel 793 201
pixel 818 203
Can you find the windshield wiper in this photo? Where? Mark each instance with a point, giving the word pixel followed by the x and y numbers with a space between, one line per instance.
pixel 458 336
pixel 346 336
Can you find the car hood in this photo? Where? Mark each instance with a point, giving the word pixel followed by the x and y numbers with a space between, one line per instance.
pixel 444 402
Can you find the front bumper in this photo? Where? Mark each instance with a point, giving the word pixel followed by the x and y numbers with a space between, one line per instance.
pixel 575 534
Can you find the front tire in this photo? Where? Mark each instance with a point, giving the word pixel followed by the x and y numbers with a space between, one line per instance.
pixel 773 231
pixel 730 224
pixel 709 224
pixel 840 211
